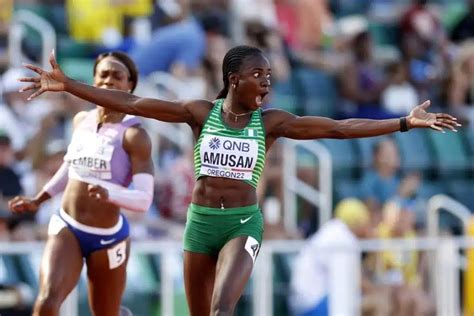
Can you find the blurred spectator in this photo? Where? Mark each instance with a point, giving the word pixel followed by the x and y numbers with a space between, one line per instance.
pixel 397 269
pixel 15 299
pixel 401 269
pixel 94 21
pixel 251 10
pixel 464 29
pixel 382 183
pixel 269 41
pixel 107 22
pixel 9 180
pixel 177 48
pixel 287 19
pixel 135 7
pixel 460 88
pixel 420 20
pixel 256 25
pixel 400 96
pixel 425 48
pixel 362 81
pixel 176 187
pixel 270 195
pixel 320 282
pixel 271 183
pixel 217 43
pixel 13 101
pixel 314 18
pixel 10 186
pixel 303 23
pixel 49 161
pixel 203 6
pixel 423 73
pixel 5 17
pixel 20 119
pixel 4 229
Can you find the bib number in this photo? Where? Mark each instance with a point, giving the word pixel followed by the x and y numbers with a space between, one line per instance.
pixel 117 255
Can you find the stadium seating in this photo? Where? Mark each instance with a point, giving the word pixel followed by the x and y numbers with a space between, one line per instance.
pixel 345 188
pixel 8 271
pixel 384 33
pixel 365 148
pixel 344 157
pixel 415 151
pixel 431 188
pixel 450 153
pixel 24 265
pixel 316 90
pixel 463 191
pixel 468 139
pixel 350 7
pixel 284 96
pixel 78 68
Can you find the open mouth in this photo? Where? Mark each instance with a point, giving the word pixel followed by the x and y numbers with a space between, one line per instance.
pixel 259 98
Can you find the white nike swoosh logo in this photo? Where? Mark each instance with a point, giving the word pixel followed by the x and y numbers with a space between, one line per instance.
pixel 106 242
pixel 243 221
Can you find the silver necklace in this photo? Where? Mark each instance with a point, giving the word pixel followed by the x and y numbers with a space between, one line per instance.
pixel 236 116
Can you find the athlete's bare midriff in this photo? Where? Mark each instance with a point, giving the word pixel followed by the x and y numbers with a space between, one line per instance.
pixel 217 192
pixel 87 210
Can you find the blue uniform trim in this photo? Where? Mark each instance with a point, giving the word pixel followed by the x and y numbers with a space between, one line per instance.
pixel 321 309
pixel 93 238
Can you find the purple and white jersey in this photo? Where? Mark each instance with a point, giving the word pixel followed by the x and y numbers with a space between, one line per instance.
pixel 99 154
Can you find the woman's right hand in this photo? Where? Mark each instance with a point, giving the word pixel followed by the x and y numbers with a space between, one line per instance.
pixel 54 80
pixel 21 204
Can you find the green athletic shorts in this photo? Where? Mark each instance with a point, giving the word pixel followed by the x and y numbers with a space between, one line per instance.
pixel 209 229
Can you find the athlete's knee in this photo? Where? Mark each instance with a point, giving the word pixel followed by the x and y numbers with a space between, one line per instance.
pixel 47 305
pixel 222 311
pixel 222 306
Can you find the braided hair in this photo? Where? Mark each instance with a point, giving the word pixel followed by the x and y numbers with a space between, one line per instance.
pixel 233 60
pixel 125 60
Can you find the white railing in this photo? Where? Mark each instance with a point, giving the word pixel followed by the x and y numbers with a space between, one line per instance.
pixel 443 202
pixel 16 34
pixel 294 187
pixel 446 304
pixel 446 256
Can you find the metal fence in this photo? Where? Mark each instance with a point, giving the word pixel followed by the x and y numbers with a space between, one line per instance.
pixel 446 252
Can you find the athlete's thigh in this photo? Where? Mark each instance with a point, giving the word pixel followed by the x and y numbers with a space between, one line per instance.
pixel 199 272
pixel 234 266
pixel 61 265
pixel 107 275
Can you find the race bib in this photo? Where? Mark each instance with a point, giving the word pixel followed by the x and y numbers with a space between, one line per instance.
pixel 117 254
pixel 90 155
pixel 228 157
pixel 253 247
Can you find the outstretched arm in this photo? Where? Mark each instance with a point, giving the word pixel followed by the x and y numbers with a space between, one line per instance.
pixel 284 124
pixel 116 100
pixel 124 102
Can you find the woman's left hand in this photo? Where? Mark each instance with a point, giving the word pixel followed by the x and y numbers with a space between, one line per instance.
pixel 97 192
pixel 418 117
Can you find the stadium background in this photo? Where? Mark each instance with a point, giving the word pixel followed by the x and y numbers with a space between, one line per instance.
pixel 336 58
